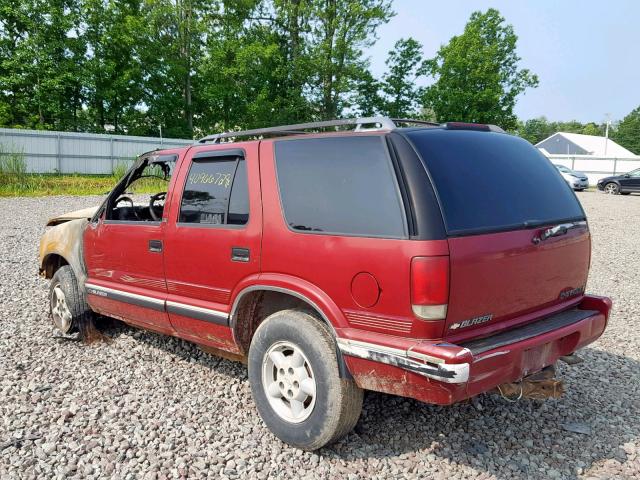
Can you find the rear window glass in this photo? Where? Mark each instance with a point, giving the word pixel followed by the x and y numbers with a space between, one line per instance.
pixel 492 181
pixel 340 185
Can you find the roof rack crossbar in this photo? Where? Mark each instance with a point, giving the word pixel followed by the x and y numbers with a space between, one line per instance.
pixel 359 123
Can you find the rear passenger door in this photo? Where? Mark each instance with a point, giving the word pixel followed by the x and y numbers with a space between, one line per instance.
pixel 212 240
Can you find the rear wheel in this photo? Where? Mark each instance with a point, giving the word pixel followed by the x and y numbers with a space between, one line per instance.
pixel 611 188
pixel 68 308
pixel 296 384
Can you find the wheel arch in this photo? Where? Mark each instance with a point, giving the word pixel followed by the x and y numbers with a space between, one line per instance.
pixel 51 263
pixel 255 302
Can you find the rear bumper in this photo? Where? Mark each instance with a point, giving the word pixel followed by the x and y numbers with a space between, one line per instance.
pixel 444 373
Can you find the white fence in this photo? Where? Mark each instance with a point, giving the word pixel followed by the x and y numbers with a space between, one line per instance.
pixel 62 152
pixel 596 167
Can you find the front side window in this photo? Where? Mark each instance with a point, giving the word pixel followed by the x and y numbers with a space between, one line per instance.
pixel 216 192
pixel 140 195
pixel 339 185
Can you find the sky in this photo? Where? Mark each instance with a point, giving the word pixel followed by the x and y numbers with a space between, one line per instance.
pixel 585 53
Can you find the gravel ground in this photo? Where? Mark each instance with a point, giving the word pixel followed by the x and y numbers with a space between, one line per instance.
pixel 146 406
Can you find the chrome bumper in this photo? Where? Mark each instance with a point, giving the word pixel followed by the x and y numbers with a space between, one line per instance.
pixel 426 365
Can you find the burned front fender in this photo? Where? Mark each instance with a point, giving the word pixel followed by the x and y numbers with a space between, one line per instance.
pixel 63 244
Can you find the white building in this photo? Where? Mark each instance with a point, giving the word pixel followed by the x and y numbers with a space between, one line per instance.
pixel 563 143
pixel 598 157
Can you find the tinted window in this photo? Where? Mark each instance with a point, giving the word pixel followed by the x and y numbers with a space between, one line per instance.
pixel 492 181
pixel 239 200
pixel 341 185
pixel 216 192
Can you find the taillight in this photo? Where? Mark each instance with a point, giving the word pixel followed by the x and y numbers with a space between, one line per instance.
pixel 430 287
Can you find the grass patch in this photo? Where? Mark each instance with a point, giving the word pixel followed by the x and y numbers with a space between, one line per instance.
pixel 16 182
pixel 39 185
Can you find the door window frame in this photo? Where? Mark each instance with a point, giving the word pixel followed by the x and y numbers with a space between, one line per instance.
pixel 211 155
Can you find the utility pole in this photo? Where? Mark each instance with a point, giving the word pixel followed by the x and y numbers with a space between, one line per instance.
pixel 160 128
pixel 606 132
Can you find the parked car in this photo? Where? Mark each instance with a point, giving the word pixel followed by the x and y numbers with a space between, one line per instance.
pixel 576 180
pixel 341 261
pixel 621 184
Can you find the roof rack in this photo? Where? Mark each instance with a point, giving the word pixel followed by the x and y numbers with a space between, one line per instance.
pixel 361 124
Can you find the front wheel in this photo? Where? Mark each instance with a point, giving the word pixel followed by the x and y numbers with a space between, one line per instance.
pixel 69 310
pixel 611 188
pixel 296 385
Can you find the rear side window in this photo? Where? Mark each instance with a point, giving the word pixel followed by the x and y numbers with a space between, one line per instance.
pixel 492 182
pixel 339 185
pixel 216 192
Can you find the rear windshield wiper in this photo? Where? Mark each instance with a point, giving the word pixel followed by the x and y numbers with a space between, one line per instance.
pixel 558 230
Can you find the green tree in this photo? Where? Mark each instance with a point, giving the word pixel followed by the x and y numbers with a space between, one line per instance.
pixel 399 84
pixel 592 129
pixel 477 78
pixel 171 50
pixel 535 129
pixel 113 32
pixel 41 64
pixel 189 66
pixel 367 96
pixel 627 133
pixel 340 30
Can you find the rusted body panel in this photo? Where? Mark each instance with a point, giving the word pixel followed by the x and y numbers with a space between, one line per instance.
pixel 64 240
pixel 85 213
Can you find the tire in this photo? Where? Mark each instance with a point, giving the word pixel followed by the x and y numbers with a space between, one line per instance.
pixel 67 305
pixel 612 188
pixel 294 353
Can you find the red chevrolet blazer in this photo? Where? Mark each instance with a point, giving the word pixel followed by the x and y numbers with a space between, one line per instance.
pixel 435 262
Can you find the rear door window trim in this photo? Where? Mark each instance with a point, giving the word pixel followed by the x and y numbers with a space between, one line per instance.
pixel 396 186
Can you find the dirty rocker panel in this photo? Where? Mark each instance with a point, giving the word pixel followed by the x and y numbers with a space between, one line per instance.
pixel 518 334
pixel 197 313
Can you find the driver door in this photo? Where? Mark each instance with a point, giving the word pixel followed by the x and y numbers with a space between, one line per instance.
pixel 124 259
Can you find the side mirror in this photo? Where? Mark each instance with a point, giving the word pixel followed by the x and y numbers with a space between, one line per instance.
pixel 627 176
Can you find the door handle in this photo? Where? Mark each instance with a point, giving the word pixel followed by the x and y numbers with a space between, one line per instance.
pixel 155 246
pixel 239 254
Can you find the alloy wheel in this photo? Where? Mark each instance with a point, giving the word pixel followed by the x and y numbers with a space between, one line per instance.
pixel 60 310
pixel 611 188
pixel 289 382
